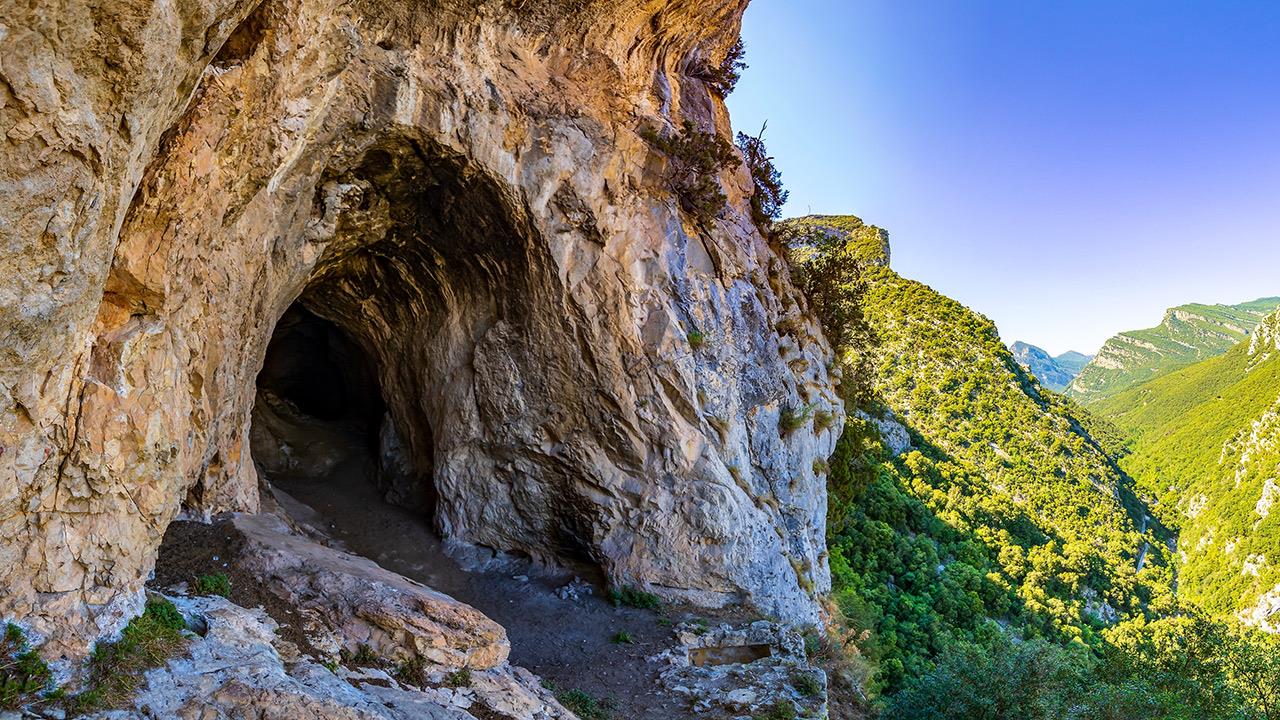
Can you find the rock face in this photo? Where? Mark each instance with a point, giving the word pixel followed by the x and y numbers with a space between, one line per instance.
pixel 460 187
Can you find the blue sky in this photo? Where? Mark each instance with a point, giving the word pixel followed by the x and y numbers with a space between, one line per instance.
pixel 1069 169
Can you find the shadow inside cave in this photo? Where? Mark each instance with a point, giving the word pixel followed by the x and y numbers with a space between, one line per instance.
pixel 320 423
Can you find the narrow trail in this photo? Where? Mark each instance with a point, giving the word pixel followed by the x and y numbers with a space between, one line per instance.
pixel 1142 554
pixel 567 642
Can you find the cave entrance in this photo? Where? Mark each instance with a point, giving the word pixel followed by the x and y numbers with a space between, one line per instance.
pixel 321 430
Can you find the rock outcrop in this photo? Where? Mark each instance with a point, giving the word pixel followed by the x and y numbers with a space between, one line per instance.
pixel 462 188
pixel 362 605
pixel 238 668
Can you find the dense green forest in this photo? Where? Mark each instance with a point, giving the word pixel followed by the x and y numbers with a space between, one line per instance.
pixel 1206 450
pixel 994 555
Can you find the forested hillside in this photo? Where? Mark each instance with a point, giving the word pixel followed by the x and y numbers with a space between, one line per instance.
pixel 982 537
pixel 1206 447
pixel 1188 334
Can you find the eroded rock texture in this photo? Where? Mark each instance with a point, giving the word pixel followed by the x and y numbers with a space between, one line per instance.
pixel 461 188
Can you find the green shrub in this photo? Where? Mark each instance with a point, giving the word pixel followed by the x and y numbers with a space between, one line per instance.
pixel 23 673
pixel 622 637
pixel 696 159
pixel 723 77
pixel 769 195
pixel 697 339
pixel 632 597
pixel 116 668
pixel 214 584
pixel 458 678
pixel 584 705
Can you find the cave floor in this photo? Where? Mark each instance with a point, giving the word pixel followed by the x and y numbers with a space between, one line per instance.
pixel 566 642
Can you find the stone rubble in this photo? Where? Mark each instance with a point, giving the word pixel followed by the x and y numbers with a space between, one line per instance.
pixel 743 689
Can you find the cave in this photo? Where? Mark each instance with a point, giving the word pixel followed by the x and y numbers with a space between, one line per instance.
pixel 319 417
pixel 407 360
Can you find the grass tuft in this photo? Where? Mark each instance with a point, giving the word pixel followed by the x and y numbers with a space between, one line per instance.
pixel 24 676
pixel 584 705
pixel 213 584
pixel 792 419
pixel 632 597
pixel 116 668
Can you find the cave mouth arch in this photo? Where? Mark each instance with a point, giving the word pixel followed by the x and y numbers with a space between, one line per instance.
pixel 434 281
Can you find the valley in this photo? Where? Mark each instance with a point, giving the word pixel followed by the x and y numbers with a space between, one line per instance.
pixel 971 502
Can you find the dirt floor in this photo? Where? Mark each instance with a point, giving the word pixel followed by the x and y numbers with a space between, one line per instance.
pixel 569 643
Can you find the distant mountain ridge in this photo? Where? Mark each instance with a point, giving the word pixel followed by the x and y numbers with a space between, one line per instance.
pixel 1055 373
pixel 1186 335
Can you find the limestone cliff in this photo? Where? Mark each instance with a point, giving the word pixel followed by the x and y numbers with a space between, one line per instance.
pixel 460 186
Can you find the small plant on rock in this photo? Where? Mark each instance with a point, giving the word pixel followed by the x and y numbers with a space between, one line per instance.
pixel 632 597
pixel 116 668
pixel 458 678
pixel 696 160
pixel 213 584
pixel 366 656
pixel 720 424
pixel 412 672
pixel 781 710
pixel 697 339
pixel 584 705
pixel 792 419
pixel 23 674
pixel 807 684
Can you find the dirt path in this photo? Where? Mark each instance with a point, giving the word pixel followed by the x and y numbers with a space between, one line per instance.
pixel 567 642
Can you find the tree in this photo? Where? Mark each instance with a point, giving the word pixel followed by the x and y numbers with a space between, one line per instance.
pixel 696 159
pixel 769 196
pixel 723 78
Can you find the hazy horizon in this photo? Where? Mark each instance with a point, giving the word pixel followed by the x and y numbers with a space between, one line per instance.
pixel 1069 171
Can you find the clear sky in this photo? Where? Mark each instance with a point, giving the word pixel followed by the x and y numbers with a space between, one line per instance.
pixel 1069 169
